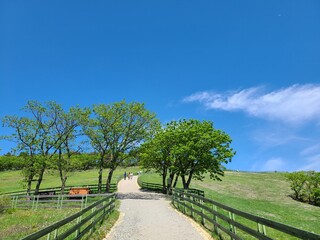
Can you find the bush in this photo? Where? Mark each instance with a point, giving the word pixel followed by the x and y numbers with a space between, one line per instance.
pixel 306 186
pixel 11 163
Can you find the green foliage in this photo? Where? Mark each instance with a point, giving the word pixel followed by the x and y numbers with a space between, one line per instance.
pixel 187 148
pixel 11 163
pixel 306 186
pixel 115 130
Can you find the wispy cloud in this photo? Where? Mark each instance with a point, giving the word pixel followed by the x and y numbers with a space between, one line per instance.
pixel 295 104
pixel 312 158
pixel 313 163
pixel 273 164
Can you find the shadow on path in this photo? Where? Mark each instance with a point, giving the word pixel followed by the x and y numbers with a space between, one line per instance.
pixel 142 196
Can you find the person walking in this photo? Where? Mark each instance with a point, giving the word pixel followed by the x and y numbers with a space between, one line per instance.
pixel 125 175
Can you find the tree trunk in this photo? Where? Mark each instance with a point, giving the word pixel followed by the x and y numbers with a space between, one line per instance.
pixel 184 182
pixel 36 191
pixel 108 183
pixel 100 179
pixel 29 182
pixel 164 175
pixel 175 181
pixel 189 180
pixel 63 178
pixel 164 183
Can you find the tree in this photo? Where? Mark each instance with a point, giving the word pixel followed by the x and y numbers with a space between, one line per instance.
pixel 192 147
pixel 156 154
pixel 65 129
pixel 115 130
pixel 41 135
pixel 26 137
pixel 297 182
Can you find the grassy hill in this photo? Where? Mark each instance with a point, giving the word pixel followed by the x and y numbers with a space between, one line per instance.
pixel 262 194
pixel 13 180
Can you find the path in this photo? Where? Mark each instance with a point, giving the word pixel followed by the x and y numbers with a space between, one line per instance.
pixel 145 215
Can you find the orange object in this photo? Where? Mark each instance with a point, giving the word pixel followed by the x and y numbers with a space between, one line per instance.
pixel 79 190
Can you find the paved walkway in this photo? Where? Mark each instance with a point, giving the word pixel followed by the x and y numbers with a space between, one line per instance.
pixel 145 215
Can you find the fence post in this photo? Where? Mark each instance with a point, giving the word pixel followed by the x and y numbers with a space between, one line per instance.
pixel 192 213
pixel 230 225
pixel 262 229
pixel 61 202
pixel 16 202
pixel 202 213
pixel 12 201
pixel 184 201
pixel 86 201
pixel 91 221
pixel 82 202
pixel 58 202
pixel 33 202
pixel 37 202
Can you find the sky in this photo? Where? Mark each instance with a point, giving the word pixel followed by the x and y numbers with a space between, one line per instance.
pixel 252 67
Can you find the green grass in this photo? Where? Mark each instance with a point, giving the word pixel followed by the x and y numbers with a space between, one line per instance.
pixel 261 194
pixel 13 180
pixel 20 223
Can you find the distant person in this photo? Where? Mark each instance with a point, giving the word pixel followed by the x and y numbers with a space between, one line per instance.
pixel 125 175
pixel 131 175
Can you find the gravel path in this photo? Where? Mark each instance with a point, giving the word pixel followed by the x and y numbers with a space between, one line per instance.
pixel 145 215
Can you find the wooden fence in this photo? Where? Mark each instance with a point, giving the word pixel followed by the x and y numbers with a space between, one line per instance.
pixel 78 224
pixel 222 220
pixel 159 188
pixel 93 189
pixel 53 201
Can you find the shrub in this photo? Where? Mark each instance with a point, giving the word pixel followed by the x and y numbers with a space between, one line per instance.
pixel 306 186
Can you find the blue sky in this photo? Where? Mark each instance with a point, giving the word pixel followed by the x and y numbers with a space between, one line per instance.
pixel 251 67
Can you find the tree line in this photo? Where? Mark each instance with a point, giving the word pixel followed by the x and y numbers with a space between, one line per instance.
pixel 48 136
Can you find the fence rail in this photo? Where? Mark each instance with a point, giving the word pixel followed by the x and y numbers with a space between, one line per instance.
pixel 86 221
pixel 93 189
pixel 159 188
pixel 53 201
pixel 223 218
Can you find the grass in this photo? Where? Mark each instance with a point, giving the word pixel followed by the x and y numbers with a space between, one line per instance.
pixel 261 194
pixel 13 180
pixel 19 223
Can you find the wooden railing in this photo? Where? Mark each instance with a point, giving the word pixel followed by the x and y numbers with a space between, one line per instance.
pixel 78 224
pixel 53 201
pixel 151 186
pixel 159 188
pixel 93 189
pixel 221 219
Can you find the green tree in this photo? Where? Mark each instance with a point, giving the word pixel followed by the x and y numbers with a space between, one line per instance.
pixel 115 130
pixel 66 129
pixel 40 136
pixel 297 183
pixel 25 135
pixel 156 154
pixel 189 149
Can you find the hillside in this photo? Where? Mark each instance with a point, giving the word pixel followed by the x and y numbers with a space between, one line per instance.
pixel 262 194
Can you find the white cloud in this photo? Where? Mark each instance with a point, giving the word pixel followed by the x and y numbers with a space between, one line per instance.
pixel 311 150
pixel 312 157
pixel 273 164
pixel 313 164
pixel 295 104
